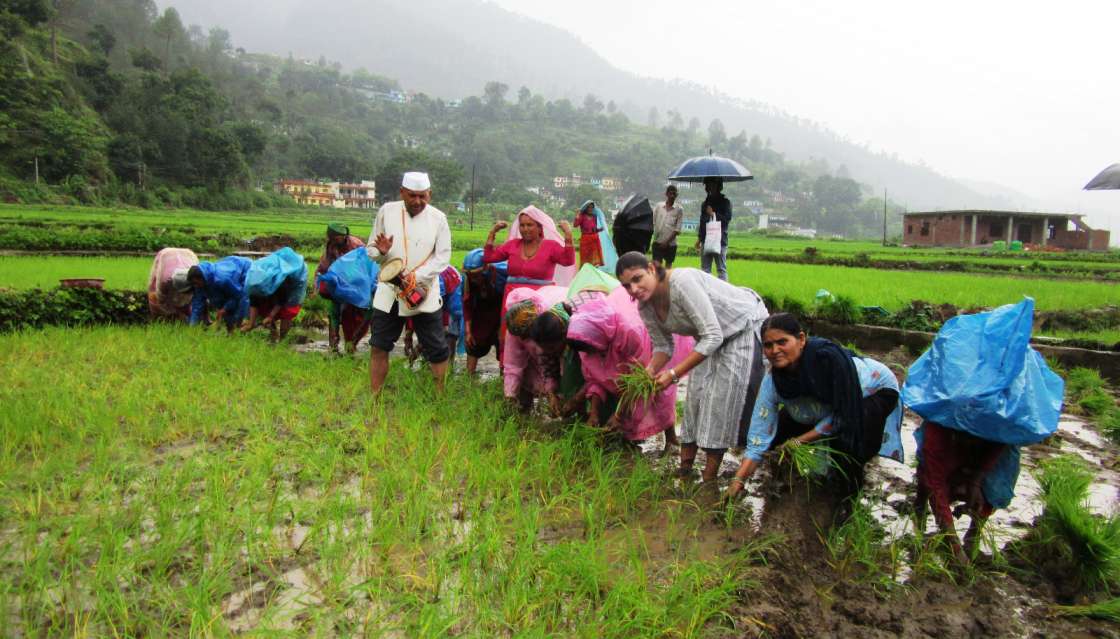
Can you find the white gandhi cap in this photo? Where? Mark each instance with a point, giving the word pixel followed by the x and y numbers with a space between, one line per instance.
pixel 416 181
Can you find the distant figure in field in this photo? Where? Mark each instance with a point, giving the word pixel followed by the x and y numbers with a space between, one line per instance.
pixel 483 288
pixel 667 221
pixel 415 233
pixel 590 250
pixel 276 285
pixel 220 285
pixel 169 291
pixel 715 206
pixel 339 243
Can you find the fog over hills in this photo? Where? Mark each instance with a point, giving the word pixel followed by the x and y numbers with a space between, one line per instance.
pixel 451 48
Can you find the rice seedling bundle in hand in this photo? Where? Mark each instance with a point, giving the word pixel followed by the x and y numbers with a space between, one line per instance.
pixel 635 385
pixel 809 459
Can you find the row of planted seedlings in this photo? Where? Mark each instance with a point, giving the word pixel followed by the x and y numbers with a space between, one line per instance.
pixel 174 482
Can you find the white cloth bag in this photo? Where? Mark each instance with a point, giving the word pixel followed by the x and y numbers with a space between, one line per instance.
pixel 713 237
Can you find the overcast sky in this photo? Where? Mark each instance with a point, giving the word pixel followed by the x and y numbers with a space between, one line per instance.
pixel 1022 94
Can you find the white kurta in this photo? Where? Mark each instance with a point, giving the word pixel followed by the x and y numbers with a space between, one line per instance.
pixel 423 242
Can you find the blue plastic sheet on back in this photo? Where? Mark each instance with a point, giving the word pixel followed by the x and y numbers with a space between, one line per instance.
pixel 981 376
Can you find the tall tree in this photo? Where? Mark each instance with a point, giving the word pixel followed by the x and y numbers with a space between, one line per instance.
pixel 169 28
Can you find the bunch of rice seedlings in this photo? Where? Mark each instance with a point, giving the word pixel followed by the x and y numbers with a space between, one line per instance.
pixel 813 459
pixel 1087 545
pixel 635 385
pixel 1108 610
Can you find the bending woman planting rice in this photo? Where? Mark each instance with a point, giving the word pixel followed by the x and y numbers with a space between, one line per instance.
pixel 818 389
pixel 725 362
pixel 610 342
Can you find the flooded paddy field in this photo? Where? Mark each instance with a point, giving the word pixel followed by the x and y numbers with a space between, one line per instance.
pixel 175 483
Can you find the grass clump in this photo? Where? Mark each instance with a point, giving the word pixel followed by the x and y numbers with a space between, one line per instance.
pixel 1108 610
pixel 811 460
pixel 635 386
pixel 1086 394
pixel 1073 542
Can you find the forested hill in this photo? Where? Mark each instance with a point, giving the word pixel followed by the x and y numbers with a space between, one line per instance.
pixel 117 101
pixel 449 48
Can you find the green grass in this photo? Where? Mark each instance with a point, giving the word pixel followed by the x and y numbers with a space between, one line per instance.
pixel 151 479
pixel 24 271
pixel 896 289
pixel 1082 546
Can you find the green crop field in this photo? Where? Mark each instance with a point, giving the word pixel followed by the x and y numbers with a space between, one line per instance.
pixel 158 481
pixel 868 287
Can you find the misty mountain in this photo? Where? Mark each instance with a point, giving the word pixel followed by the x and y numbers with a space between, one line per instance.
pixel 452 48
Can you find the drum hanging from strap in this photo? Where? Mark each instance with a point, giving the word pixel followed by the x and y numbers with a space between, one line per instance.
pixel 408 290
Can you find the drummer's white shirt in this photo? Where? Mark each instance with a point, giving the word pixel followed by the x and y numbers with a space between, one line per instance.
pixel 427 236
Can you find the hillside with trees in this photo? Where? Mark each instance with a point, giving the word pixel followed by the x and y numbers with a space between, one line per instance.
pixel 115 101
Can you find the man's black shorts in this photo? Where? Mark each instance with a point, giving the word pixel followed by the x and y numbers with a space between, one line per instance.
pixel 385 330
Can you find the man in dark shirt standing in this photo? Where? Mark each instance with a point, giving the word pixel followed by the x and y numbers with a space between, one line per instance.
pixel 719 206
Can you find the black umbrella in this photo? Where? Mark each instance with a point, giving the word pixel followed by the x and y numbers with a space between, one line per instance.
pixel 633 225
pixel 1108 179
pixel 706 166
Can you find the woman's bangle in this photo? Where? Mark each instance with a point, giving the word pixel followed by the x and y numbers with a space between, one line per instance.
pixel 739 479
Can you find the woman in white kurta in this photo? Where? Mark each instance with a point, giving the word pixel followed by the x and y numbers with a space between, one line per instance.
pixel 725 320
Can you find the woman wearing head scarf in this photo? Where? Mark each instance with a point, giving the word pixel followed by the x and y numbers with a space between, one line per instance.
pixel 483 287
pixel 339 243
pixel 609 341
pixel 536 254
pixel 722 365
pixel 590 251
pixel 816 388
pixel 525 363
pixel 169 291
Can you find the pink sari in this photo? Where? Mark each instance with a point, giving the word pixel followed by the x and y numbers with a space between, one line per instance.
pixel 615 330
pixel 522 359
pixel 163 299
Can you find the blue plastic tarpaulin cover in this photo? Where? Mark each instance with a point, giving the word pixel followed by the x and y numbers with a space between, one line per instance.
pixel 268 273
pixel 981 376
pixel 352 277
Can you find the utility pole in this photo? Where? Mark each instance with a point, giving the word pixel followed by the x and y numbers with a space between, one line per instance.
pixel 473 186
pixel 36 170
pixel 884 216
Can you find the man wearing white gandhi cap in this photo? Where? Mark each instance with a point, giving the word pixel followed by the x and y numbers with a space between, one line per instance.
pixel 417 234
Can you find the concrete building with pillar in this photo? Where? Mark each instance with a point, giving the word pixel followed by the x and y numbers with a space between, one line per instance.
pixel 981 228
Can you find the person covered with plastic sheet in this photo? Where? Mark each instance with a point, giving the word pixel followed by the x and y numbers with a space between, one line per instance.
pixel 526 368
pixel 536 254
pixel 276 285
pixel 220 286
pixel 723 365
pixel 339 243
pixel 169 290
pixel 818 389
pixel 451 291
pixel 483 287
pixel 349 284
pixel 982 392
pixel 609 336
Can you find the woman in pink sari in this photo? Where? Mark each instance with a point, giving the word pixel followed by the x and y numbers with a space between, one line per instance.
pixel 523 360
pixel 169 291
pixel 538 254
pixel 610 335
